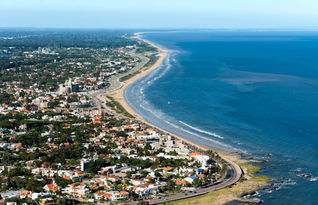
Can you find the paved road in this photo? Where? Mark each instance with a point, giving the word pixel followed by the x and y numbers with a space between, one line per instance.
pixel 100 102
pixel 114 84
pixel 233 174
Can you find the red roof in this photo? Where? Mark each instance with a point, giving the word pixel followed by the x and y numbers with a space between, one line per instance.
pixel 53 187
pixel 195 153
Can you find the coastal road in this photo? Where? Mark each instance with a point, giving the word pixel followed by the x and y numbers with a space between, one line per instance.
pixel 114 84
pixel 100 102
pixel 233 174
pixel 233 171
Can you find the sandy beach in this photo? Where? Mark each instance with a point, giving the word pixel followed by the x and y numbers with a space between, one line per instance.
pixel 119 95
pixel 232 158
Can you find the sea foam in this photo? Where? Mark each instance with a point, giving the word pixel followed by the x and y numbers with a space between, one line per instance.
pixel 202 131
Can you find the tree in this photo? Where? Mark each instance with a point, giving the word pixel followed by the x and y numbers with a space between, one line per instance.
pixel 157 174
pixel 128 174
pixel 171 185
pixel 197 182
pixel 34 185
pixel 173 153
pixel 143 173
pixel 62 182
pixel 19 171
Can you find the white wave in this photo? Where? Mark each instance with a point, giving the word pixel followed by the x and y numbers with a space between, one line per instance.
pixel 256 194
pixel 214 142
pixel 141 91
pixel 148 107
pixel 313 179
pixel 192 133
pixel 163 68
pixel 289 182
pixel 283 185
pixel 163 117
pixel 202 131
pixel 267 191
pixel 297 169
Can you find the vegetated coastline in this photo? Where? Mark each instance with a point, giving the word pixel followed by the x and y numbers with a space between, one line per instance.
pixel 246 184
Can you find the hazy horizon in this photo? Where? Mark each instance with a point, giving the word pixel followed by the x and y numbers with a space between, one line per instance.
pixel 164 14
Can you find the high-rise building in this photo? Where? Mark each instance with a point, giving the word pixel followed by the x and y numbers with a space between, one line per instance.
pixel 84 164
pixel 68 87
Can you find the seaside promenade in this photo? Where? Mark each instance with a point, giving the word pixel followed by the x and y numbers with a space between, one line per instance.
pixel 117 90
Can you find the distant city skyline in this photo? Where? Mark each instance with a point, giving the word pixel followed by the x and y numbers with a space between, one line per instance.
pixel 135 14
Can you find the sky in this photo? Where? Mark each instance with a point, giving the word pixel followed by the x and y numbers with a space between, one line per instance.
pixel 154 14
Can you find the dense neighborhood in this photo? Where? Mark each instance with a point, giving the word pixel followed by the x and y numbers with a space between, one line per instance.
pixel 58 145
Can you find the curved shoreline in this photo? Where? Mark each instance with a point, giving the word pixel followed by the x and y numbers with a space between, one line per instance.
pixel 119 95
pixel 230 157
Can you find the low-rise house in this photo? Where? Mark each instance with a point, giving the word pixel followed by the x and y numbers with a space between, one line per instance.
pixel 112 195
pixel 146 190
pixel 136 182
pixel 111 178
pixel 181 182
pixel 39 195
pixel 51 187
pixel 79 190
pixel 25 194
pixel 190 179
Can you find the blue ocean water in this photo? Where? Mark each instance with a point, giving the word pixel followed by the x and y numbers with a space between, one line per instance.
pixel 250 92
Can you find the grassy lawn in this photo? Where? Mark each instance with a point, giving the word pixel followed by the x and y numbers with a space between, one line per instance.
pixel 126 77
pixel 152 60
pixel 116 106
